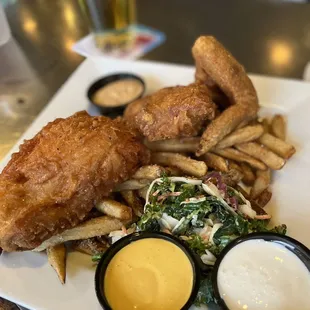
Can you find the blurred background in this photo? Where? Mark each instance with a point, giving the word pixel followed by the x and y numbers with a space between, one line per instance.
pixel 267 37
pixel 37 36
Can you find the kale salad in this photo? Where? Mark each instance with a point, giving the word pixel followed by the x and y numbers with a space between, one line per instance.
pixel 206 214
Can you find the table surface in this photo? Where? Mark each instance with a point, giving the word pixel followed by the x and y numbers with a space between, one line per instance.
pixel 267 37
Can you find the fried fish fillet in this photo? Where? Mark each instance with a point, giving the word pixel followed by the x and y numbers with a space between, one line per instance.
pixel 57 177
pixel 172 112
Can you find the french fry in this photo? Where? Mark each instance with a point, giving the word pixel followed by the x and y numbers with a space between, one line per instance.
pixel 182 145
pixel 232 177
pixel 132 185
pixel 242 135
pixel 263 198
pixel 142 192
pixel 242 191
pixel 277 145
pixel 278 127
pixel 260 152
pixel 234 166
pixel 115 209
pixel 173 171
pixel 133 201
pixel 95 227
pixel 91 246
pixel 57 259
pixel 149 172
pixel 189 166
pixel 243 124
pixel 248 174
pixel 259 210
pixel 261 183
pixel 265 124
pixel 215 162
pixel 234 154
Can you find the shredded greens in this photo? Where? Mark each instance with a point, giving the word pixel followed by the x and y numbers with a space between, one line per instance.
pixel 96 258
pixel 206 216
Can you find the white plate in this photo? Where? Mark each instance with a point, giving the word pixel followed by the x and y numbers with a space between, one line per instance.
pixel 27 279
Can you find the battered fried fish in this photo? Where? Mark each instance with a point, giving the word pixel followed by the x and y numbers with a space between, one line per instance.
pixel 57 177
pixel 172 112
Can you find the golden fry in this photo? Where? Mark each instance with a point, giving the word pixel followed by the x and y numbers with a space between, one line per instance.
pixel 149 172
pixel 215 162
pixel 234 154
pixel 182 145
pixel 233 165
pixel 259 211
pixel 278 127
pixel 242 191
pixel 261 183
pixel 263 198
pixel 90 246
pixel 173 171
pixel 248 174
pixel 243 124
pixel 277 145
pixel 132 185
pixel 242 135
pixel 232 177
pixel 189 166
pixel 265 124
pixel 57 259
pixel 95 227
pixel 142 192
pixel 272 160
pixel 115 209
pixel 133 201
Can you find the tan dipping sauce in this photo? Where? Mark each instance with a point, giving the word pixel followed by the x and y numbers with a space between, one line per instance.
pixel 118 93
pixel 149 274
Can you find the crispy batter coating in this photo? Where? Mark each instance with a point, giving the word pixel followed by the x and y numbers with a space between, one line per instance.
pixel 55 179
pixel 180 111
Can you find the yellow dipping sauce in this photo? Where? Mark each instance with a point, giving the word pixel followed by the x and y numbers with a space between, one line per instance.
pixel 149 274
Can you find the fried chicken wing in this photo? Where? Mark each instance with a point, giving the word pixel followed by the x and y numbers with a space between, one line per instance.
pixel 180 111
pixel 215 63
pixel 184 111
pixel 57 177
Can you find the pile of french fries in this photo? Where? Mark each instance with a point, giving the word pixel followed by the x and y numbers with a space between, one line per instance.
pixel 248 154
pixel 245 157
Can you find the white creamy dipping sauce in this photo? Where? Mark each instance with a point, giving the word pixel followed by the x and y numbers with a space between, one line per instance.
pixel 258 274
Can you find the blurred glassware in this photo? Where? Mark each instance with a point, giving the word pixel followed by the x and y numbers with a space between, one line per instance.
pixel 110 21
pixel 5 32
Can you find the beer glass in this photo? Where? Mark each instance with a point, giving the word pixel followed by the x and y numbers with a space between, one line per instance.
pixel 110 21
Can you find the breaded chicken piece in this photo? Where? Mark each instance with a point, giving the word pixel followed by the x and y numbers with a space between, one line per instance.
pixel 180 111
pixel 57 177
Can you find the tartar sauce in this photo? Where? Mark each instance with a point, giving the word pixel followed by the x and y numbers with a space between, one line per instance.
pixel 258 274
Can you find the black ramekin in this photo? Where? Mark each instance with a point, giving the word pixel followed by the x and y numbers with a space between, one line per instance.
pixel 300 250
pixel 117 246
pixel 113 111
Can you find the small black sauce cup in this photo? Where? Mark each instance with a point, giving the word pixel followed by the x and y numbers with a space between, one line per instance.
pixel 117 246
pixel 300 250
pixel 117 110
